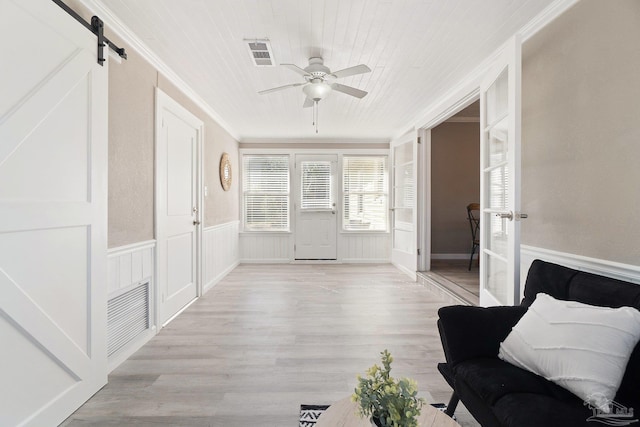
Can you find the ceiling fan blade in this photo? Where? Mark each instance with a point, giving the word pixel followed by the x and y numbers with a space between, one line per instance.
pixel 349 90
pixel 296 69
pixel 308 102
pixel 262 92
pixel 352 71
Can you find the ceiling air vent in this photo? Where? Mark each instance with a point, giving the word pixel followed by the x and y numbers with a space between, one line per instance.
pixel 260 51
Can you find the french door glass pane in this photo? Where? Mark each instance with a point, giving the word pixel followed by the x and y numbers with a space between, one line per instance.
pixel 496 279
pixel 498 234
pixel 498 98
pixel 498 142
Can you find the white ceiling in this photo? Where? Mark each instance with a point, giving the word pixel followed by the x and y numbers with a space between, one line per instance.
pixel 416 49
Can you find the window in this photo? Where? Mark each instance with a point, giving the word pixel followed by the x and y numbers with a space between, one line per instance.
pixel 265 187
pixel 316 185
pixel 365 190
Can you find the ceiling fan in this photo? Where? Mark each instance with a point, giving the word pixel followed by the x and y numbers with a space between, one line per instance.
pixel 320 81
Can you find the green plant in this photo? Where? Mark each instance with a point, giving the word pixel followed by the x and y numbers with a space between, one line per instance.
pixel 387 401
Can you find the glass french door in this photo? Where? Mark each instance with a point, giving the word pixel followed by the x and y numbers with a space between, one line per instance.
pixel 500 179
pixel 404 228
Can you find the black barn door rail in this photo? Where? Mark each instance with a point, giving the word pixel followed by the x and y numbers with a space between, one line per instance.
pixel 96 27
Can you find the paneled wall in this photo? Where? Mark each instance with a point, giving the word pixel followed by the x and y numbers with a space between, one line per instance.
pixel 221 252
pixel 278 247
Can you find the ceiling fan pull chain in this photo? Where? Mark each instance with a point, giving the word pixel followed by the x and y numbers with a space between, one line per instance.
pixel 317 115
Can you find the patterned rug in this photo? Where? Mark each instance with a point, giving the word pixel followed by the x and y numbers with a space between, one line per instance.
pixel 309 414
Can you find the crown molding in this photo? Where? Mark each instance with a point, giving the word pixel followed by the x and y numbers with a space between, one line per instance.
pixel 128 36
pixel 545 17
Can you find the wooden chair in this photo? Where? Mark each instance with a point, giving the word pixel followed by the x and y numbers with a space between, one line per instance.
pixel 473 214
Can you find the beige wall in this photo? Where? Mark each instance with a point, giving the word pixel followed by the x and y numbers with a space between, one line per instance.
pixel 220 206
pixel 581 133
pixel 131 149
pixel 455 182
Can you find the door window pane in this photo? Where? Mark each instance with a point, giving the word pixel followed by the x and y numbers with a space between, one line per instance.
pixel 316 185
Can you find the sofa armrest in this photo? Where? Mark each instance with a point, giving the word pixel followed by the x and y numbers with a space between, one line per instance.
pixel 473 332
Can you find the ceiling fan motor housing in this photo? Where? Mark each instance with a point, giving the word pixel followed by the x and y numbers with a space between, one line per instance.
pixel 317 68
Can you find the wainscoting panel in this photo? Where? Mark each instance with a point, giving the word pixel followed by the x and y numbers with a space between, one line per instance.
pixel 266 247
pixel 627 272
pixel 364 247
pixel 131 268
pixel 221 252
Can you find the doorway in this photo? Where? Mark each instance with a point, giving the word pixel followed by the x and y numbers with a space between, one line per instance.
pixel 455 183
pixel 315 207
pixel 178 216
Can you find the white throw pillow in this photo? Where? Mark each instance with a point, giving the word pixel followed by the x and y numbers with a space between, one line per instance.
pixel 580 347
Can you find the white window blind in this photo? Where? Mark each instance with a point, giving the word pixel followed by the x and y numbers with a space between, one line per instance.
pixel 365 189
pixel 265 186
pixel 316 185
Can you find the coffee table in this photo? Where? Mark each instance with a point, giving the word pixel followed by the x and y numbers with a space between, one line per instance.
pixel 344 413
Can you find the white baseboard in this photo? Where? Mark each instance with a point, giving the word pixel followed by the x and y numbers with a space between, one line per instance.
pixel 215 280
pixel 125 352
pixel 266 261
pixel 616 270
pixel 453 256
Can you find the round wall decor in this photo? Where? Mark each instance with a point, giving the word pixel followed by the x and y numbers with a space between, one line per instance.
pixel 225 171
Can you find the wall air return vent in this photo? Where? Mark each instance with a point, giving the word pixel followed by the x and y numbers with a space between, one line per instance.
pixel 127 317
pixel 260 52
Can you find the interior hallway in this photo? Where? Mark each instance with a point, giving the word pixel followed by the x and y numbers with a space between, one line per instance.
pixel 268 338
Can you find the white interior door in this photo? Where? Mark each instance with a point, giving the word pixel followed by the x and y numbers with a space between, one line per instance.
pixel 177 205
pixel 53 205
pixel 315 207
pixel 500 180
pixel 405 237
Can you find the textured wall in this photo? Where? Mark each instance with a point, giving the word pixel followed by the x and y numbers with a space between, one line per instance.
pixel 581 132
pixel 455 182
pixel 132 149
pixel 220 206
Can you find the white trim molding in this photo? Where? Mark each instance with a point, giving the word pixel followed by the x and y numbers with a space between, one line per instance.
pixel 616 270
pixel 545 17
pixel 453 256
pixel 220 252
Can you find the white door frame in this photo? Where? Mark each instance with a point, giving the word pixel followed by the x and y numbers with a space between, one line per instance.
pixel 164 101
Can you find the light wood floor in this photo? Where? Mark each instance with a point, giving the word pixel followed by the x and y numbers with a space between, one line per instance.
pixel 458 278
pixel 268 338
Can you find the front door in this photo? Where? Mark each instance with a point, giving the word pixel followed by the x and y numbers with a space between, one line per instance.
pixel 315 207
pixel 177 205
pixel 53 210
pixel 500 180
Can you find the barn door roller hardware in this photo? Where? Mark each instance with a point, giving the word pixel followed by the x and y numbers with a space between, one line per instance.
pixel 96 27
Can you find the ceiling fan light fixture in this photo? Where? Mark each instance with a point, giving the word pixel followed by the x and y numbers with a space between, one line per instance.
pixel 316 90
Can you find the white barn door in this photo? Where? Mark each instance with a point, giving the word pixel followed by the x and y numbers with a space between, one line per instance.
pixel 53 214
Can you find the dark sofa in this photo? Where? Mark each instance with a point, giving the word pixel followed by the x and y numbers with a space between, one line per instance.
pixel 499 394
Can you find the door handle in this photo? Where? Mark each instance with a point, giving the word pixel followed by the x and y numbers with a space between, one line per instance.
pixel 508 215
pixel 196 222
